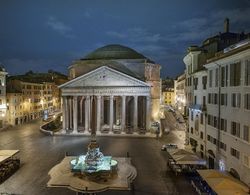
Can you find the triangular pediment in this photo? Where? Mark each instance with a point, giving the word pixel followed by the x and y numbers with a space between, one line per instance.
pixel 104 77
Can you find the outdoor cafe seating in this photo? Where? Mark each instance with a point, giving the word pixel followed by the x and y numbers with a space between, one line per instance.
pixel 9 163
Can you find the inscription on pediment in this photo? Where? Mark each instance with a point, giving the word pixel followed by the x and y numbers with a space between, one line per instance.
pixel 104 76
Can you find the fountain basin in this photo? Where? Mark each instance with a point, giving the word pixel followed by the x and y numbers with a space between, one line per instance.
pixel 106 164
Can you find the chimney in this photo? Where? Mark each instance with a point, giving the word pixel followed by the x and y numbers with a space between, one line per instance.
pixel 226 25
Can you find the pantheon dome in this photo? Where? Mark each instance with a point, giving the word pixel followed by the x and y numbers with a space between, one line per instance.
pixel 118 57
pixel 110 52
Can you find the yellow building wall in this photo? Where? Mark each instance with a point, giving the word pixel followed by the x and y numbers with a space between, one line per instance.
pixel 168 97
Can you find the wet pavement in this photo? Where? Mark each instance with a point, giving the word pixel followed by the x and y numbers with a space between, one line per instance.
pixel 39 153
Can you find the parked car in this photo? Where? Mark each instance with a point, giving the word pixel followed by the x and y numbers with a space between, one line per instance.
pixel 168 146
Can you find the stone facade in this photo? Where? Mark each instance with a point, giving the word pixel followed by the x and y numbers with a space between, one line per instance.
pixel 218 106
pixel 180 96
pixel 120 86
pixel 106 100
pixel 228 110
pixel 3 107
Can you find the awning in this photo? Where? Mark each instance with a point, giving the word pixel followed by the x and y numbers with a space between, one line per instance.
pixel 3 158
pixel 184 157
pixel 8 152
pixel 188 160
pixel 222 183
pixel 179 152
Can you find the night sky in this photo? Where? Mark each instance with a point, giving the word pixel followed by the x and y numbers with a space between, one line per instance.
pixel 41 35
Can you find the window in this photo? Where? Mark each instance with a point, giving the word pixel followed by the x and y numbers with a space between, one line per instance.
pixel 247 72
pixel 209 119
pixel 223 146
pixel 195 99
pixel 210 78
pixel 195 83
pixel 202 147
pixel 222 77
pixel 246 160
pixel 246 133
pixel 216 77
pixel 201 117
pixel 235 74
pixel 192 130
pixel 236 100
pixel 223 124
pixel 204 101
pixel 1 102
pixel 247 101
pixel 235 153
pixel 204 82
pixel 208 138
pixel 226 76
pixel 214 141
pixel 215 122
pixel 235 129
pixel 215 98
pixel 223 98
pixel 201 135
pixel 209 98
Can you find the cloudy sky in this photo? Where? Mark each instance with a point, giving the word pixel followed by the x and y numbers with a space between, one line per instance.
pixel 40 35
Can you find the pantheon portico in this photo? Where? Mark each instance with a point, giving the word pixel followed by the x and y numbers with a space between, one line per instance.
pixel 105 94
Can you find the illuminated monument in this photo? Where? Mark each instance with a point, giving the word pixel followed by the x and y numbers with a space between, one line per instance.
pixel 118 84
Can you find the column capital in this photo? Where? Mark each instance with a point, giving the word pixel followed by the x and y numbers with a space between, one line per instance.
pixel 111 97
pixel 98 97
pixel 75 97
pixel 135 96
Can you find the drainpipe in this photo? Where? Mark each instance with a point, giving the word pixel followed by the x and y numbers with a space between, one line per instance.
pixel 205 136
pixel 219 114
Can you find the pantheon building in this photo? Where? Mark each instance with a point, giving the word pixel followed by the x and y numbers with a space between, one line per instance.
pixel 114 89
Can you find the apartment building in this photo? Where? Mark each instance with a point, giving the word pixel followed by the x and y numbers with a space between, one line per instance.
pixel 197 112
pixel 3 107
pixel 32 96
pixel 217 101
pixel 228 110
pixel 27 101
pixel 180 98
